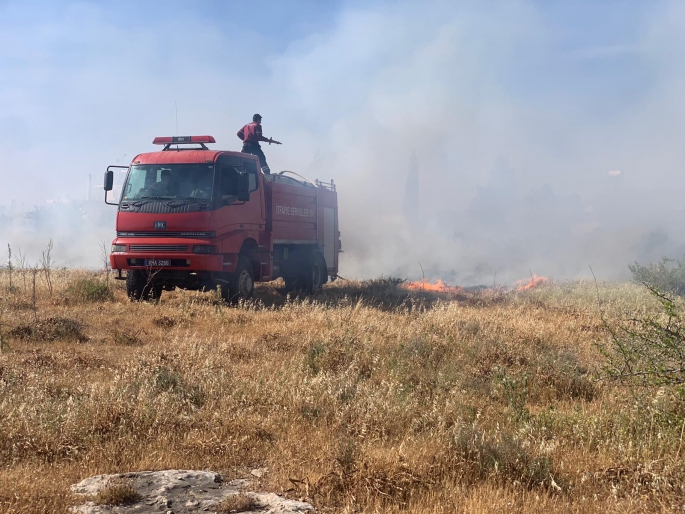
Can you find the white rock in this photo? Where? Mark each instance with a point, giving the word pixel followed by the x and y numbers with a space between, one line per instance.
pixel 259 472
pixel 182 491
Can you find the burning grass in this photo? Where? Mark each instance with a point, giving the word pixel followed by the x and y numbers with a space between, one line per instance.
pixel 437 287
pixel 440 287
pixel 369 397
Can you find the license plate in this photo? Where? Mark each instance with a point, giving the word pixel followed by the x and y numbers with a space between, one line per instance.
pixel 157 262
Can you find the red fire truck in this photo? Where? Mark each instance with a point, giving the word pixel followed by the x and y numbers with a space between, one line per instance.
pixel 196 218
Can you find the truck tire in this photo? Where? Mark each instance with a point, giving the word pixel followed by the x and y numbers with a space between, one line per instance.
pixel 317 274
pixel 311 277
pixel 292 283
pixel 241 282
pixel 139 288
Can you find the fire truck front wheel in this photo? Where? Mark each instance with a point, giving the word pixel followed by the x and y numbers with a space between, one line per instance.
pixel 139 287
pixel 241 282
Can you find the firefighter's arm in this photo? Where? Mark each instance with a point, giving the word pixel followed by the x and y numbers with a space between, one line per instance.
pixel 258 133
pixel 241 135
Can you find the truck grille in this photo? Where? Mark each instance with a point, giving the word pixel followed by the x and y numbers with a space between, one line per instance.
pixel 166 234
pixel 159 248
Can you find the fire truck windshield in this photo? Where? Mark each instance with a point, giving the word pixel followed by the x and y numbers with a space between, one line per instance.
pixel 169 181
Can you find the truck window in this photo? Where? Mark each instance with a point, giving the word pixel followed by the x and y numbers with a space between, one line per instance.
pixel 169 181
pixel 251 168
pixel 229 181
pixel 137 181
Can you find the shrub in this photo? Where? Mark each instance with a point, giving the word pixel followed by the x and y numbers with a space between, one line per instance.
pixel 165 321
pixel 505 458
pixel 90 289
pixel 667 275
pixel 649 348
pixel 51 329
pixel 168 380
pixel 117 492
pixel 240 502
pixel 125 337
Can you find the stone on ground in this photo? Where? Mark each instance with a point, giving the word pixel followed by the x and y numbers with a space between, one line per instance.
pixel 176 491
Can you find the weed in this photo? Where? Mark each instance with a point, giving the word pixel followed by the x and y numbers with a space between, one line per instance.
pixel 501 457
pixel 126 337
pixel 240 502
pixel 649 348
pixel 358 400
pixel 51 329
pixel 9 266
pixel 104 255
pixel 167 380
pixel 667 275
pixel 22 266
pixel 117 492
pixel 567 378
pixel 89 289
pixel 314 356
pixel 515 390
pixel 3 343
pixel 165 321
pixel 46 264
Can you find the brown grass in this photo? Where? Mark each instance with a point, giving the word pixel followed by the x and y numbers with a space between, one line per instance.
pixel 117 492
pixel 240 502
pixel 365 398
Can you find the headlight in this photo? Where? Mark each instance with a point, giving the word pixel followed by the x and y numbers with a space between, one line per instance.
pixel 205 249
pixel 118 248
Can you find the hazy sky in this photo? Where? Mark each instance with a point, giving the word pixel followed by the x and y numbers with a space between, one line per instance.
pixel 517 112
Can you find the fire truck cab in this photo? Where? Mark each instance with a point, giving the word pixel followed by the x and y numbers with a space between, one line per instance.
pixel 196 218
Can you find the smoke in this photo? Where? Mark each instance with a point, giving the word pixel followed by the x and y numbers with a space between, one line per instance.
pixel 519 114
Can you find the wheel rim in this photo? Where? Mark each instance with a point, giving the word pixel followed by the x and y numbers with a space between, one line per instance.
pixel 245 283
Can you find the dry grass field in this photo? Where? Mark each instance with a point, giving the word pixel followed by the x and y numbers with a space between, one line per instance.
pixel 364 398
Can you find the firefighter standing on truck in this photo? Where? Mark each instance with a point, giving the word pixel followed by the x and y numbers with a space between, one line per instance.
pixel 251 135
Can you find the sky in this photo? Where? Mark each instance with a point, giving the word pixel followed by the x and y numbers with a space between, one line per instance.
pixel 547 132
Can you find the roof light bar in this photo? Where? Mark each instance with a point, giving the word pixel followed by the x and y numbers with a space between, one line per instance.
pixel 182 140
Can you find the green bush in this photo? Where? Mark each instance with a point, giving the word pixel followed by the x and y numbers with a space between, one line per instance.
pixel 90 289
pixel 667 275
pixel 484 456
pixel 649 348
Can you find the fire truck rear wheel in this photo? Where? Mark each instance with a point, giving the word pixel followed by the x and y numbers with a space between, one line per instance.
pixel 311 277
pixel 138 287
pixel 317 272
pixel 242 281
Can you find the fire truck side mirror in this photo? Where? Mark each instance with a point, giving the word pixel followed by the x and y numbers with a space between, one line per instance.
pixel 109 180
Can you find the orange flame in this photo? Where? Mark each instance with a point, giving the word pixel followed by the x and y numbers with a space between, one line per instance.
pixel 440 287
pixel 437 287
pixel 535 281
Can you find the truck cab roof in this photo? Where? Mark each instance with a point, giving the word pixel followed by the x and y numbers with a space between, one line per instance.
pixel 184 156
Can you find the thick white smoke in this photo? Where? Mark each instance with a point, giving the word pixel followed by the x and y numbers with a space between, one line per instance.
pixel 515 129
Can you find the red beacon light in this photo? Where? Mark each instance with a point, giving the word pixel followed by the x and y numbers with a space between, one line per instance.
pixel 183 140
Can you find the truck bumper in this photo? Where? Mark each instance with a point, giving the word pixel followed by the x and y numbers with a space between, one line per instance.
pixel 184 262
pixel 142 254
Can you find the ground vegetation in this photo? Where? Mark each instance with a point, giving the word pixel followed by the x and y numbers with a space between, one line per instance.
pixel 365 397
